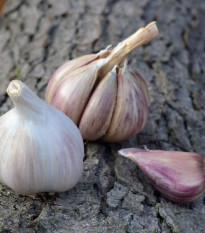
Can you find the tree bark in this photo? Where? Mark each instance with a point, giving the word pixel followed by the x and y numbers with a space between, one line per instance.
pixel 38 36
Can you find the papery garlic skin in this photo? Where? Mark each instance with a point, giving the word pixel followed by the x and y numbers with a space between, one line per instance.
pixel 80 84
pixel 64 71
pixel 131 109
pixel 98 113
pixel 41 149
pixel 179 176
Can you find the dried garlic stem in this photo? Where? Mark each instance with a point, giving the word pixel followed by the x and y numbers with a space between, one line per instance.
pixel 142 36
pixel 121 51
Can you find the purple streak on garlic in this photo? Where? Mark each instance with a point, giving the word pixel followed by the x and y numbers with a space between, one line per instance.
pixel 179 176
pixel 41 148
pixel 131 109
pixel 73 102
pixel 99 110
pixel 64 71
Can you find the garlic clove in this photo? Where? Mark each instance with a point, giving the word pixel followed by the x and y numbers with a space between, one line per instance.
pixel 131 109
pixel 179 176
pixel 64 71
pixel 80 84
pixel 99 110
pixel 41 149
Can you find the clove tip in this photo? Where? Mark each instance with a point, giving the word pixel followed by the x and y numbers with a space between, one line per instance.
pixel 125 152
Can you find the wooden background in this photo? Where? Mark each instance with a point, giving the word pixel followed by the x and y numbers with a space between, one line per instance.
pixel 113 195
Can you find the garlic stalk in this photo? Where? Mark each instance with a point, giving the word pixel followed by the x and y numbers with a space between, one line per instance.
pixel 179 176
pixel 98 92
pixel 41 149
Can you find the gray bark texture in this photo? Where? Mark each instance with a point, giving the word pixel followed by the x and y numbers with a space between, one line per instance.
pixel 114 196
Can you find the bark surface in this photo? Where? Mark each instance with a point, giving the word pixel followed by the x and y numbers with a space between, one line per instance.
pixel 113 195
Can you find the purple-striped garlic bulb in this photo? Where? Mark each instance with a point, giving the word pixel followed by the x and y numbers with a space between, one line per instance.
pixel 98 92
pixel 41 149
pixel 179 176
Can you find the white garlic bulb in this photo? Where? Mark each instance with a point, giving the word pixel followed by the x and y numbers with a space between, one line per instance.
pixel 41 149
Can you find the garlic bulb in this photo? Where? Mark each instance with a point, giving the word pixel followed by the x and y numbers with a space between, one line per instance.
pixel 179 176
pixel 41 149
pixel 97 91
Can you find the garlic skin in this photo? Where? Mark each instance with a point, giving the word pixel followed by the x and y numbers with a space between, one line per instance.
pixel 131 110
pixel 41 149
pixel 99 110
pixel 105 108
pixel 63 71
pixel 72 94
pixel 179 176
